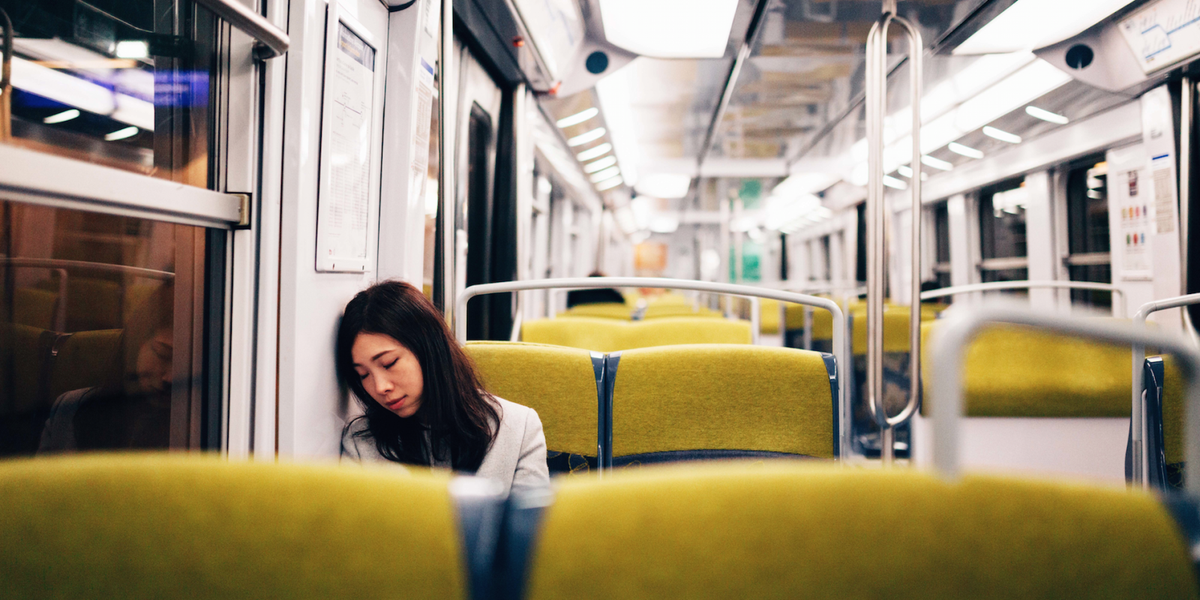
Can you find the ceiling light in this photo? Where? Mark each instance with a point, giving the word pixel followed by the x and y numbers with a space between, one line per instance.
pixel 133 49
pixel 962 150
pixel 1003 136
pixel 664 185
pixel 603 163
pixel 664 224
pixel 121 134
pixel 905 170
pixel 614 96
pixel 1046 115
pixel 894 183
pixel 1032 24
pixel 61 117
pixel 65 88
pixel 605 174
pixel 609 183
pixel 578 117
pixel 669 28
pixel 584 138
pixel 936 163
pixel 591 153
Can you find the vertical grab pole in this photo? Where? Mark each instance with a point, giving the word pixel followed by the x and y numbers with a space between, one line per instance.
pixel 877 215
pixel 447 114
pixel 6 54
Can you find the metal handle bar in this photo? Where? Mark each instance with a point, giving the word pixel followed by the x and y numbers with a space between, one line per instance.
pixel 1138 411
pixel 959 327
pixel 55 263
pixel 269 40
pixel 585 283
pixel 1020 285
pixel 876 86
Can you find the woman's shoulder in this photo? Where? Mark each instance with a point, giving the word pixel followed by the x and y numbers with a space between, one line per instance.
pixel 512 412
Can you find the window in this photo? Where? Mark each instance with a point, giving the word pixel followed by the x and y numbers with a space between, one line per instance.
pixel 941 235
pixel 1088 256
pixel 105 81
pixel 1002 232
pixel 103 333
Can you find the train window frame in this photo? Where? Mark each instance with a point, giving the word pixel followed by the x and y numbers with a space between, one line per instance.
pixel 1086 242
pixel 940 213
pixel 1014 265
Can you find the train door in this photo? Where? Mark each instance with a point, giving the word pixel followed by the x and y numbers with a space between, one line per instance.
pixel 475 218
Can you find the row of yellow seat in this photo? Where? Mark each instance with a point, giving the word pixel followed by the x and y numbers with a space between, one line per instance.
pixel 91 304
pixel 611 335
pixel 668 403
pixel 143 527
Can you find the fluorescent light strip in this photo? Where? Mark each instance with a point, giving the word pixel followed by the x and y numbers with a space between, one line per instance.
pixel 669 28
pixel 70 90
pixel 596 152
pixel 606 174
pixel 936 163
pixel 1045 115
pixel 603 163
pixel 905 170
pixel 609 183
pixel 133 49
pixel 584 138
pixel 1001 135
pixel 578 117
pixel 121 134
pixel 962 150
pixel 61 117
pixel 1030 24
pixel 894 183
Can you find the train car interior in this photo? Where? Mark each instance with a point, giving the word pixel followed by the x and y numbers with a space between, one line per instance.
pixel 812 298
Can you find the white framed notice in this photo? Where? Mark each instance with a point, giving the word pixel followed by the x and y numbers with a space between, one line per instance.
pixel 347 186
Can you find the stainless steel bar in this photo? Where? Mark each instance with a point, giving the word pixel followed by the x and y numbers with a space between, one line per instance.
pixel 1118 309
pixel 83 265
pixel 840 345
pixel 1138 409
pixel 960 327
pixel 783 324
pixel 6 54
pixel 269 40
pixel 1187 124
pixel 447 119
pixel 808 325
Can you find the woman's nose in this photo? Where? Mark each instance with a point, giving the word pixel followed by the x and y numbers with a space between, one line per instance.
pixel 382 385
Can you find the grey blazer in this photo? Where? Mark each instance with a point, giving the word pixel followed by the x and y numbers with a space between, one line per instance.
pixel 516 460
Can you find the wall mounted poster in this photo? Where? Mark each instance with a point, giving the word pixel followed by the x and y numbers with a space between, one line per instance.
pixel 344 202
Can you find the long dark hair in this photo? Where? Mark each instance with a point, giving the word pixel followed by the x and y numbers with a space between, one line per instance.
pixel 458 415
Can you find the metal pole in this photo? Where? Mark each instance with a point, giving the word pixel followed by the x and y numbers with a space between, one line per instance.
pixel 1187 117
pixel 446 175
pixel 6 53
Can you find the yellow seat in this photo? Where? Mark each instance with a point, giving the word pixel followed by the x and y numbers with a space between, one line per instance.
pixel 713 401
pixel 608 335
pixel 659 311
pixel 35 307
pixel 87 359
pixel 1016 371
pixel 158 526
pixel 559 383
pixel 812 531
pixel 606 310
pixel 768 319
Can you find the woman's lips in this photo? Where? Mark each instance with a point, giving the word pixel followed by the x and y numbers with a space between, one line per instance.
pixel 397 403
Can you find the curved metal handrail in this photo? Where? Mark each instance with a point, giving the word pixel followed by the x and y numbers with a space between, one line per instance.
pixel 1029 284
pixel 876 213
pixel 1138 411
pixel 270 41
pixel 584 283
pixel 58 263
pixel 960 327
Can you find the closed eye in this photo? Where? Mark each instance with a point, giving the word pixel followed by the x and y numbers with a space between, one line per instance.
pixel 391 364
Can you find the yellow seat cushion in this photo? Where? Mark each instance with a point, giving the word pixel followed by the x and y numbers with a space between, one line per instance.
pixel 782 530
pixel 822 321
pixel 609 335
pixel 1173 400
pixel 722 397
pixel 1016 371
pixel 607 310
pixel 559 383
pixel 172 526
pixel 895 329
pixel 768 320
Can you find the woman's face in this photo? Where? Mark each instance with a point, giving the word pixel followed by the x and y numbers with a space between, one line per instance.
pixel 389 372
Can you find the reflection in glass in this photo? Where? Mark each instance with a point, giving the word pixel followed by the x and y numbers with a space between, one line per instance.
pixel 99 335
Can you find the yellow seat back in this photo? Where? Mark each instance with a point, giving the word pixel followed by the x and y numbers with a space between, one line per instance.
pixel 606 310
pixel 158 526
pixel 609 335
pixel 722 397
pixel 559 383
pixel 784 530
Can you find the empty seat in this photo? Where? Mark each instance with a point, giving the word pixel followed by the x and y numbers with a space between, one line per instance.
pixel 1039 400
pixel 713 401
pixel 561 384
pixel 810 531
pixel 24 378
pixel 35 307
pixel 768 319
pixel 661 310
pixel 609 335
pixel 606 310
pixel 151 526
pixel 86 359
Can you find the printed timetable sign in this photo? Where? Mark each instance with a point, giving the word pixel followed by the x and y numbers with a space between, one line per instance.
pixel 344 200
